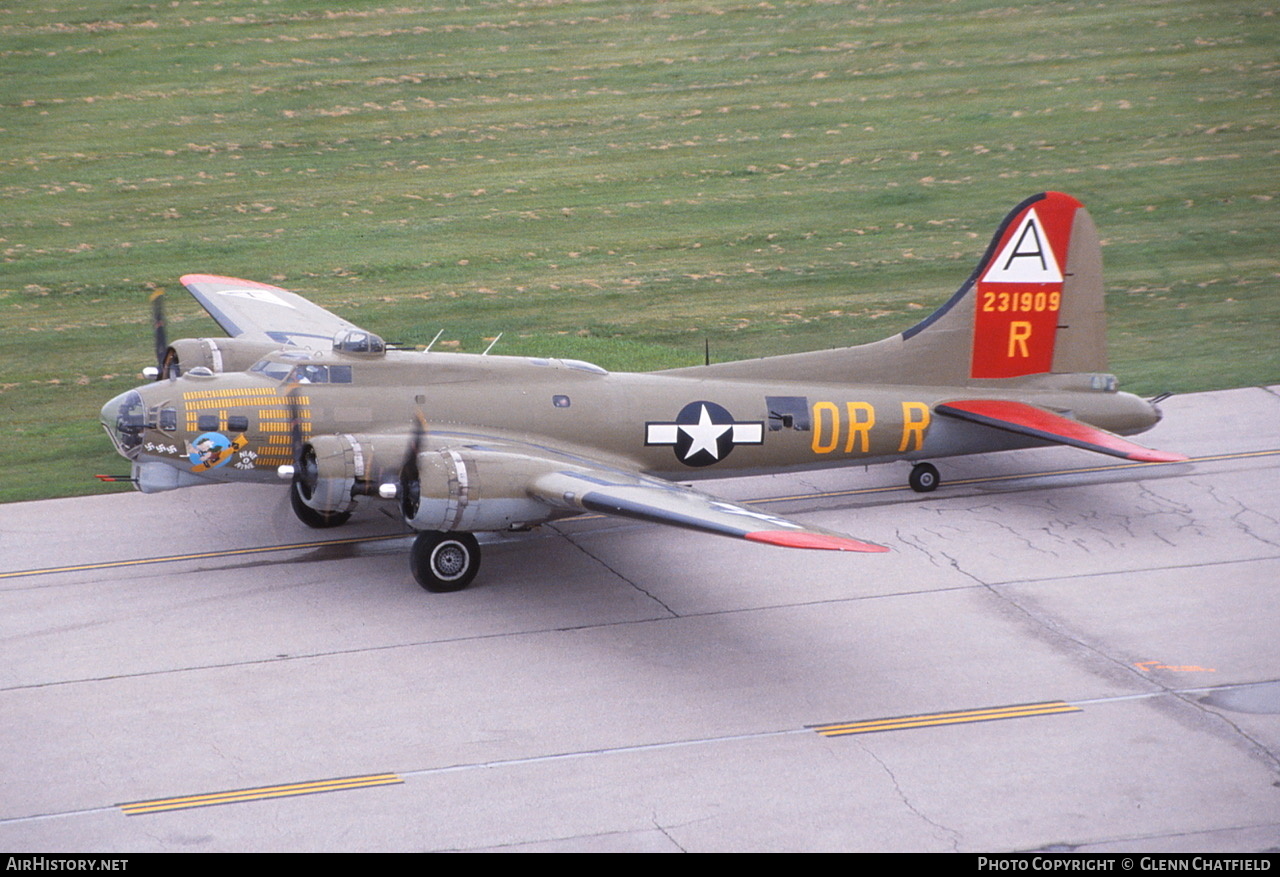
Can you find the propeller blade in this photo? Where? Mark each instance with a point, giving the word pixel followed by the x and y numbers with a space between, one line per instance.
pixel 295 423
pixel 158 326
pixel 409 489
pixel 304 468
pixel 417 433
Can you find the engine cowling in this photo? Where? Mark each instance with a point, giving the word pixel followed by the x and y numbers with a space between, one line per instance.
pixel 468 490
pixel 326 475
pixel 215 354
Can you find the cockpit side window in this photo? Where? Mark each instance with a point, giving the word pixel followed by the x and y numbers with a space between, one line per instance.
pixel 312 373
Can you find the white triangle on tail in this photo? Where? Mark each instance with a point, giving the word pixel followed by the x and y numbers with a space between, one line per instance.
pixel 1027 256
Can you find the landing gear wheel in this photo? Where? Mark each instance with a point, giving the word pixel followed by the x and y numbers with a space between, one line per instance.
pixel 924 478
pixel 443 562
pixel 311 517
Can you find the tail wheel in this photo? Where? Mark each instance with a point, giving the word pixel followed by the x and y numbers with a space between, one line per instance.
pixel 315 519
pixel 924 478
pixel 443 562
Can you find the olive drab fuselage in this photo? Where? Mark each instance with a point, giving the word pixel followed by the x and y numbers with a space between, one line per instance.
pixel 632 419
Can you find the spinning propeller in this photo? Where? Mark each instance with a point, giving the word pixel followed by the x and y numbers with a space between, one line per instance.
pixel 306 473
pixel 304 458
pixel 166 358
pixel 410 488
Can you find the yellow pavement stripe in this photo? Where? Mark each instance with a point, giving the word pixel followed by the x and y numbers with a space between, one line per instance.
pixel 228 552
pixel 237 796
pixel 990 714
pixel 961 714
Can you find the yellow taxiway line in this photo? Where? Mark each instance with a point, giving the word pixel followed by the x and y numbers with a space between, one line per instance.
pixel 901 723
pixel 263 793
pixel 237 796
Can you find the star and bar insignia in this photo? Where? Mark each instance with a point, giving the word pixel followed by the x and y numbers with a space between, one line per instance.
pixel 703 433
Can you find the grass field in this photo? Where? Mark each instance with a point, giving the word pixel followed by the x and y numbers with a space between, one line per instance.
pixel 616 181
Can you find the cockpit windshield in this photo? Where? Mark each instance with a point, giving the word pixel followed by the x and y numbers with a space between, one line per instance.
pixel 268 368
pixel 303 372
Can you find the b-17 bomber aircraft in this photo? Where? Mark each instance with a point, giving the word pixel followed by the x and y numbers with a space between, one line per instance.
pixel 467 443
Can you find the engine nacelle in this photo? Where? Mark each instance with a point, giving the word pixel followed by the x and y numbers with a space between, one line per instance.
pixel 216 354
pixel 468 490
pixel 326 478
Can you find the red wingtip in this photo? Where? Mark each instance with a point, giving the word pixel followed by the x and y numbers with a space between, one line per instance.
pixel 187 279
pixel 793 539
pixel 1151 456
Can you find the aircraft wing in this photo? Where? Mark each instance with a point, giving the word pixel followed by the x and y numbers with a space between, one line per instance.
pixel 1029 420
pixel 613 492
pixel 259 312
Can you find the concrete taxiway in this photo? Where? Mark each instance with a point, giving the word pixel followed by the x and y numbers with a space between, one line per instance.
pixel 1075 653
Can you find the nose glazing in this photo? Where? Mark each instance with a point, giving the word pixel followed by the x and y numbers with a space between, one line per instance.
pixel 123 418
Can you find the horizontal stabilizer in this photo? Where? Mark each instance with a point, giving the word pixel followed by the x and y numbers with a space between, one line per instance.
pixel 1024 419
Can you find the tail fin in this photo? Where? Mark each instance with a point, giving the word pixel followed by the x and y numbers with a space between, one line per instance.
pixel 1033 305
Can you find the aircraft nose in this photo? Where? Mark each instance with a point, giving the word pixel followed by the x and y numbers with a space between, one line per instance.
pixel 123 419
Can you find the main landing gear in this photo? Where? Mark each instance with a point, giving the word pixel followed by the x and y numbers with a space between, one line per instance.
pixel 444 562
pixel 924 478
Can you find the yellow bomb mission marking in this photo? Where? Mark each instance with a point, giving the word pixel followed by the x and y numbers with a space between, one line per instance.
pixel 854 423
